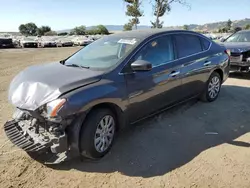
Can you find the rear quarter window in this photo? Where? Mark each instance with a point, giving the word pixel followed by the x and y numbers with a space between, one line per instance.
pixel 205 43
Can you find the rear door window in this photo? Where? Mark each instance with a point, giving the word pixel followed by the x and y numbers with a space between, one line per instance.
pixel 187 45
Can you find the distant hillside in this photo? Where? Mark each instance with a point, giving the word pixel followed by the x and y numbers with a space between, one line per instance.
pixel 109 27
pixel 207 27
pixel 214 26
pixel 10 33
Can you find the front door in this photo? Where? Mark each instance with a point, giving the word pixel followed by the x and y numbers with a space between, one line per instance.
pixel 152 90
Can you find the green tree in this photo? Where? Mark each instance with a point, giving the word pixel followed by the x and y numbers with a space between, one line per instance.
pixel 28 29
pixel 101 29
pixel 247 27
pixel 78 30
pixel 42 30
pixel 127 27
pixel 160 8
pixel 91 32
pixel 229 25
pixel 134 11
pixel 62 34
pixel 224 30
pixel 50 33
pixel 185 27
pixel 157 24
pixel 72 32
pixel 236 29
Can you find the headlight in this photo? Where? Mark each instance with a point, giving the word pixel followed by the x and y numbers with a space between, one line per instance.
pixel 51 108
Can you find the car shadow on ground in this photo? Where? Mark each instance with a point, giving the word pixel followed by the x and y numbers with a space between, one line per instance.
pixel 172 139
pixel 239 75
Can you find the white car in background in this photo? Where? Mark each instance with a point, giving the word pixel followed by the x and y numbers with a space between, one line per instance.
pixel 48 42
pixel 64 42
pixel 28 42
pixel 83 41
pixel 58 43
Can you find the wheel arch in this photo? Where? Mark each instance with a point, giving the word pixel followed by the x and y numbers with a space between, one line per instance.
pixel 74 129
pixel 118 112
pixel 220 72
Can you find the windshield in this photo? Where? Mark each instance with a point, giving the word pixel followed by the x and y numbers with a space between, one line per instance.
pixel 28 39
pixel 239 37
pixel 103 53
pixel 50 39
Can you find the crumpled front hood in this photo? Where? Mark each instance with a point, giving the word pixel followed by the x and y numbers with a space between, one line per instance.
pixel 237 47
pixel 39 84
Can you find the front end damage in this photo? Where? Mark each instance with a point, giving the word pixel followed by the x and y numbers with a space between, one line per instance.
pixel 240 61
pixel 42 123
pixel 42 138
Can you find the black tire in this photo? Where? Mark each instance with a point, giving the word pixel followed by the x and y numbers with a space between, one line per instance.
pixel 206 97
pixel 88 132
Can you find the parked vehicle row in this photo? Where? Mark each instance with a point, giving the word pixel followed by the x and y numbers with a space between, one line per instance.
pixel 115 81
pixel 35 42
pixel 48 42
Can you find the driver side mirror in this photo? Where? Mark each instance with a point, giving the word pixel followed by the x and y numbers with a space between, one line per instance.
pixel 222 40
pixel 141 65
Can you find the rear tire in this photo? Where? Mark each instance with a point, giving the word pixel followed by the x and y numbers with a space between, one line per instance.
pixel 97 133
pixel 212 89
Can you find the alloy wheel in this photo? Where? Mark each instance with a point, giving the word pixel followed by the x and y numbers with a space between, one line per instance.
pixel 104 133
pixel 214 87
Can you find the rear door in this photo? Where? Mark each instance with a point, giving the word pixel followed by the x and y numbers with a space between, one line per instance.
pixel 193 53
pixel 152 90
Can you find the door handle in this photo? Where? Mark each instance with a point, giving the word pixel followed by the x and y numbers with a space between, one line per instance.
pixel 207 63
pixel 174 73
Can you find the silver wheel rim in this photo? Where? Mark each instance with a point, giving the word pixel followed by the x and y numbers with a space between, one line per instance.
pixel 104 133
pixel 214 87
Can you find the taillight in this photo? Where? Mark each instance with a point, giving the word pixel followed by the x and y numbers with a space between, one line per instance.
pixel 228 52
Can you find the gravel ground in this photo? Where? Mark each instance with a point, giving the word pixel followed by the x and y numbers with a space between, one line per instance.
pixel 193 145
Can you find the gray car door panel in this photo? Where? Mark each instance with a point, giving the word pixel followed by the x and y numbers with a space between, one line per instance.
pixel 152 90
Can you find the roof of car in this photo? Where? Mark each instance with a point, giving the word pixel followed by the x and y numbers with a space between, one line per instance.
pixel 244 31
pixel 142 34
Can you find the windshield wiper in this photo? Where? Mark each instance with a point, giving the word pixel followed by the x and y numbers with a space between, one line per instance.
pixel 75 65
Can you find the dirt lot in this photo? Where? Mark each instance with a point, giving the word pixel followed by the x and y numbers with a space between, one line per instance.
pixel 193 145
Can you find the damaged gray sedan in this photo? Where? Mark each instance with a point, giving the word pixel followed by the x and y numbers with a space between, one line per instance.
pixel 239 46
pixel 76 106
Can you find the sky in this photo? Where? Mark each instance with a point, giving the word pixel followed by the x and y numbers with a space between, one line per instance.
pixel 67 14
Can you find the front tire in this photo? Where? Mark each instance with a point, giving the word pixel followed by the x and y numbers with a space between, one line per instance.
pixel 212 89
pixel 97 134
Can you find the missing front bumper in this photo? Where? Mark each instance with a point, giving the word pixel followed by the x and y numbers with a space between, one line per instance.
pixel 22 139
pixel 48 151
pixel 46 142
pixel 29 138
